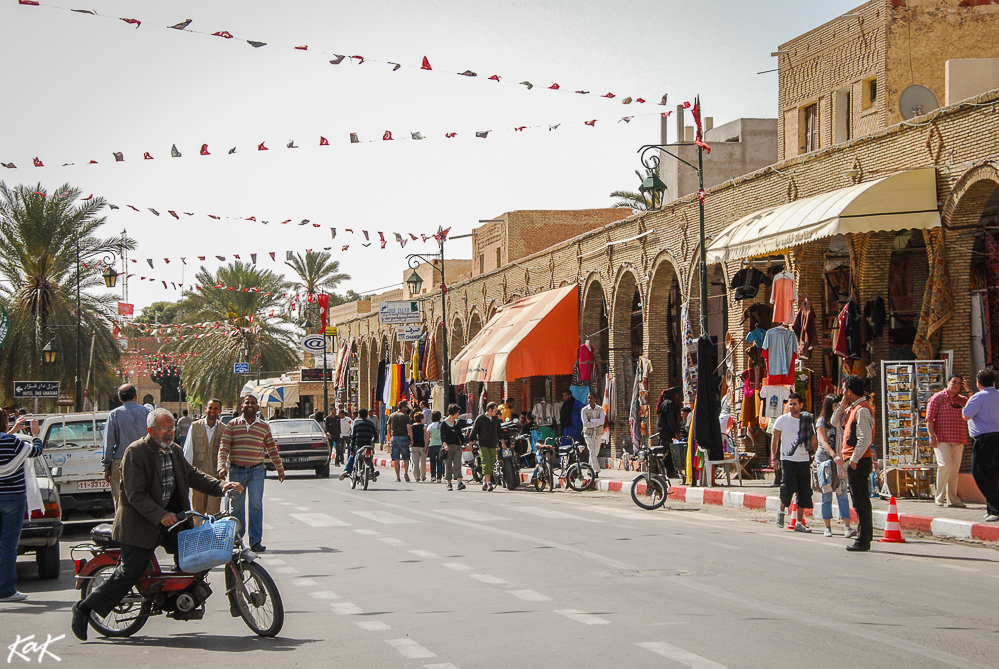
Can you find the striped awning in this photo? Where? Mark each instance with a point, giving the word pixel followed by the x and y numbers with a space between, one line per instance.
pixel 899 202
pixel 535 336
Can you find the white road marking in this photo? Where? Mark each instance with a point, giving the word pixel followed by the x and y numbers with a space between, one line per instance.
pixel 446 665
pixel 368 533
pixel 286 570
pixel 429 555
pixel 530 595
pixel 274 499
pixel 319 520
pixel 325 594
pixel 372 625
pixel 385 518
pixel 957 567
pixel 271 561
pixel 305 582
pixel 469 514
pixel 409 648
pixel 302 508
pixel 286 503
pixel 680 655
pixel 491 580
pixel 583 617
pixel 267 526
pixel 345 608
pixel 552 514
pixel 392 541
pixel 458 566
pixel 624 513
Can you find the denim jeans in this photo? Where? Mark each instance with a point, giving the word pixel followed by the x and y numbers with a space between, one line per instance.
pixel 436 464
pixel 844 506
pixel 12 509
pixel 253 487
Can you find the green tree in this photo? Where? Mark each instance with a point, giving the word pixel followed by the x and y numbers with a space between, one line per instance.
pixel 317 273
pixel 40 233
pixel 251 321
pixel 636 201
pixel 159 312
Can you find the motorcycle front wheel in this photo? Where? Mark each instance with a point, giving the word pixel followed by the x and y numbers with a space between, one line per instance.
pixel 654 495
pixel 258 600
pixel 579 476
pixel 125 619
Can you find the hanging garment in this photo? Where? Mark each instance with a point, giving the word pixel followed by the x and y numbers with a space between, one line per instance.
pixel 848 345
pixel 749 416
pixel 780 350
pixel 826 387
pixel 608 382
pixel 544 414
pixel 746 283
pixel 754 357
pixel 900 284
pixel 784 296
pixel 752 380
pixel 707 429
pixel 380 383
pixel 876 316
pixel 804 329
pixel 634 418
pixel 772 399
pixel 756 336
pixel 759 316
pixel 938 300
pixel 803 386
pixel 585 363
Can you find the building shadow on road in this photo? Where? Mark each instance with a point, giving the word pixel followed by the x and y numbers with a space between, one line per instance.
pixel 301 551
pixel 955 558
pixel 235 643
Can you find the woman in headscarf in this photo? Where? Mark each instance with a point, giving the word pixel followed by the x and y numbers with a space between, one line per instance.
pixel 668 424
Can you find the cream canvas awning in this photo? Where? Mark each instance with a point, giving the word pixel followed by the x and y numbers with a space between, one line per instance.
pixel 535 336
pixel 900 202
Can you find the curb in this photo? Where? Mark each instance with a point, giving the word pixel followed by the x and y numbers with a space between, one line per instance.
pixel 939 527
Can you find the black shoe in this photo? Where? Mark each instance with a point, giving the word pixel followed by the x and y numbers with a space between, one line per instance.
pixel 79 624
pixel 858 547
pixel 258 548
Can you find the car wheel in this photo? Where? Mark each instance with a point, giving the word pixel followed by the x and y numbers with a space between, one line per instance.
pixel 324 471
pixel 48 562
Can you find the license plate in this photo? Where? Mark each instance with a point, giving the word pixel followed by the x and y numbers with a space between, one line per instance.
pixel 294 459
pixel 99 484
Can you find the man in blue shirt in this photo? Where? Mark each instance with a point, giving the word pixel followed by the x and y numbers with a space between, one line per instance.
pixel 982 413
pixel 125 424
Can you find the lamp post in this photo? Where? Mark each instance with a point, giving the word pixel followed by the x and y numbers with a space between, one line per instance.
pixel 110 279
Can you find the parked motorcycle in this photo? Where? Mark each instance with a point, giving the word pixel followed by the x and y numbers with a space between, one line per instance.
pixel 178 594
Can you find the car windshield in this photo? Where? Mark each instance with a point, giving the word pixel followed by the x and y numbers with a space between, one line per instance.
pixel 76 433
pixel 279 428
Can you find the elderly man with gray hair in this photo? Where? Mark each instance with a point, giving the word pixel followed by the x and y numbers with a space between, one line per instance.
pixel 155 487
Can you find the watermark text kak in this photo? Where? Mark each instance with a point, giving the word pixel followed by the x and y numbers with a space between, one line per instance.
pixel 27 647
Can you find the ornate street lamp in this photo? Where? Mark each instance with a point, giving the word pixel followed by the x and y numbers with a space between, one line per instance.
pixel 49 353
pixel 415 284
pixel 110 277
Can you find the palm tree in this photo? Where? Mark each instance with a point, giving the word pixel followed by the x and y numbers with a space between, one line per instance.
pixel 40 234
pixel 253 327
pixel 635 201
pixel 317 273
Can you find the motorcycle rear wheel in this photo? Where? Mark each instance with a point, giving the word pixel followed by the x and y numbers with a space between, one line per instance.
pixel 260 607
pixel 367 477
pixel 654 495
pixel 125 619
pixel 580 477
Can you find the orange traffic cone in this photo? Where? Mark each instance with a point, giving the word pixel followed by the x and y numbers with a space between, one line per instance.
pixel 893 531
pixel 794 515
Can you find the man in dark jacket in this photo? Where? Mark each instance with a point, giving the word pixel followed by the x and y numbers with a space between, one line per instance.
pixel 669 422
pixel 333 432
pixel 156 482
pixel 487 430
pixel 565 412
pixel 363 433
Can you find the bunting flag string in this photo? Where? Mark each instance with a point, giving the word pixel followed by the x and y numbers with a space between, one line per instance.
pixel 355 138
pixel 357 60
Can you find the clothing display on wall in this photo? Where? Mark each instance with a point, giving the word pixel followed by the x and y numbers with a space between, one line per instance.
pixel 780 350
pixel 756 336
pixel 876 316
pixel 746 283
pixel 544 414
pixel 992 283
pixel 848 332
pixel 759 316
pixel 826 387
pixel 784 296
pixel 803 386
pixel 772 399
pixel 804 330
pixel 586 362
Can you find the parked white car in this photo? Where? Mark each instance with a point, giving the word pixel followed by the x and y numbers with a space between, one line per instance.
pixel 75 444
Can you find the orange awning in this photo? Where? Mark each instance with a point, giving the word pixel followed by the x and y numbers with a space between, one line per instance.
pixel 535 336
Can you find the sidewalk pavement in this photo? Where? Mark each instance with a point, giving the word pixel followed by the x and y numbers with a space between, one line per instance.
pixel 917 515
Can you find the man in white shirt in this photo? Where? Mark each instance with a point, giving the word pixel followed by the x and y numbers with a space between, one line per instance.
pixel 593 425
pixel 201 449
pixel 794 458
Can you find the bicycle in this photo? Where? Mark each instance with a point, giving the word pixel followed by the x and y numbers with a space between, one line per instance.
pixel 653 478
pixel 544 475
pixel 577 472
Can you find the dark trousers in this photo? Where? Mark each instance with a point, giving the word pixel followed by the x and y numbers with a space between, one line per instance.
pixel 436 464
pixel 337 444
pixel 860 491
pixel 985 469
pixel 131 565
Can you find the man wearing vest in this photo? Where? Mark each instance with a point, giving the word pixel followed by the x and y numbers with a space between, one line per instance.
pixel 858 435
pixel 201 448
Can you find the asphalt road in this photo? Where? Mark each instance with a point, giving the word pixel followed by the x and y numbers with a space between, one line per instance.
pixel 410 575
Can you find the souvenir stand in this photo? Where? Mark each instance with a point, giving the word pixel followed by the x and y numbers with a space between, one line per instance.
pixel 908 463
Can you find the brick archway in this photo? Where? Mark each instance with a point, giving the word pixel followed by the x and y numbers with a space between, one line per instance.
pixel 626 333
pixel 663 343
pixel 594 324
pixel 963 206
pixel 363 373
pixel 474 323
pixel 455 337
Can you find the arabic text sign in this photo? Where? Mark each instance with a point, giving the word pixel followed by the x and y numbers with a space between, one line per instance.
pixel 28 389
pixel 240 368
pixel 399 313
pixel 408 333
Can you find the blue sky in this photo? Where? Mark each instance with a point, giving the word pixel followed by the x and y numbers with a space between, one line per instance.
pixel 81 87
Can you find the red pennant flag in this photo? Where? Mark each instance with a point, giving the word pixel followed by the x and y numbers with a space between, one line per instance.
pixel 223 33
pixel 166 260
pixel 38 163
pixel 134 22
pixel 146 156
pixel 38 192
pixel 323 141
pixel 201 257
pixel 174 214
pixel 686 105
pixel 131 207
pixel 387 136
pixel 699 137
pixel 346 246
pixel 495 77
pixel 286 222
pixel 700 196
pixel 609 95
pixel 553 87
pixel 426 64
pixel 315 225
pixel 381 236
pixel 92 162
pixel 164 284
pixel 354 139
pixel 204 150
pixel 360 59
pixel 27 2
pixel 413 237
pixel 521 128
pixel 271 254
pixel 450 135
pixel 592 123
pixel 251 218
pixel 215 217
pixel 261 147
pixel 87 199
pixel 639 100
pixel 304 47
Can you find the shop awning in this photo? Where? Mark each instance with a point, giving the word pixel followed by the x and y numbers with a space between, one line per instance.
pixel 899 202
pixel 535 336
pixel 274 392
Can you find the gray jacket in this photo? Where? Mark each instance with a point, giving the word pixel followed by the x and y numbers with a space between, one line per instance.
pixel 125 425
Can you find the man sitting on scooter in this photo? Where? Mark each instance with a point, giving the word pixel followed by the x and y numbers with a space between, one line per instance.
pixel 364 433
pixel 156 487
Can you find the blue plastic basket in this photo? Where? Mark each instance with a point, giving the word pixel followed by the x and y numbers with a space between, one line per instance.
pixel 206 546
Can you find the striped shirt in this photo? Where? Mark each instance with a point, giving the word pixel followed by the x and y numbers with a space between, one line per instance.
pixel 364 432
pixel 169 480
pixel 246 444
pixel 9 447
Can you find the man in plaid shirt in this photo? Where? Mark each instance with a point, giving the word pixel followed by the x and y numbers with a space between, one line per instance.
pixel 948 435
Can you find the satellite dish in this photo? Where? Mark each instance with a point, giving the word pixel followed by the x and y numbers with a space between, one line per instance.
pixel 915 101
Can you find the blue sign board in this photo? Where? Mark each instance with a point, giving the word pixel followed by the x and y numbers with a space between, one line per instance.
pixel 241 368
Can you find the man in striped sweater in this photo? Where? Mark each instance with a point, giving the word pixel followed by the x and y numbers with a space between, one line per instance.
pixel 14 453
pixel 246 441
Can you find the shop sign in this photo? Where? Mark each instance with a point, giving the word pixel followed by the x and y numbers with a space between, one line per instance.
pixel 408 333
pixel 65 401
pixel 316 374
pixel 399 313
pixel 31 389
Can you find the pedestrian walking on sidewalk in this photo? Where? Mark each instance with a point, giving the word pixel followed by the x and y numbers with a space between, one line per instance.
pixel 418 450
pixel 401 430
pixel 434 443
pixel 246 441
pixel 125 425
pixel 453 443
pixel 794 439
pixel 948 432
pixel 201 448
pixel 593 425
pixel 982 412
pixel 856 419
pixel 333 435
pixel 15 457
pixel 829 469
pixel 486 430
